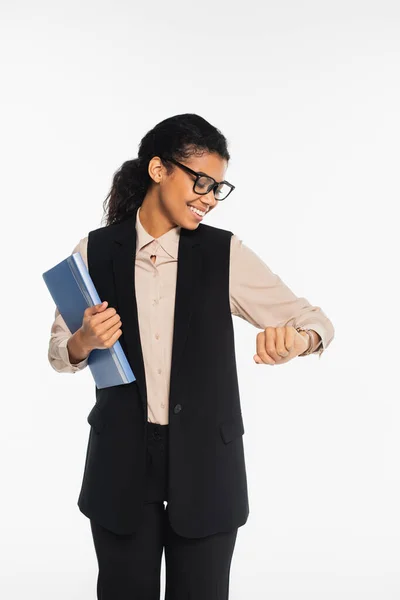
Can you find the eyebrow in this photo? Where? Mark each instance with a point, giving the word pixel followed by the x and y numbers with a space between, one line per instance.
pixel 205 174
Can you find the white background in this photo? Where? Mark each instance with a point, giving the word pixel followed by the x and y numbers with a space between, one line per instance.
pixel 308 96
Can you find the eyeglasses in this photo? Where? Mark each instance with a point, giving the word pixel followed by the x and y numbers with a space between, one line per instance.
pixel 204 183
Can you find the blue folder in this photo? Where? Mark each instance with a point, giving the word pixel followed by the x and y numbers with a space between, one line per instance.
pixel 73 290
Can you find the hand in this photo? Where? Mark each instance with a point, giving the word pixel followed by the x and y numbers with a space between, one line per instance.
pixel 278 345
pixel 101 327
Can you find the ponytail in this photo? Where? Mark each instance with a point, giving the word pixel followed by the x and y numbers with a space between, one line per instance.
pixel 129 187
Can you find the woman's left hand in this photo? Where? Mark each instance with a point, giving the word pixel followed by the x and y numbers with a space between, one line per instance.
pixel 278 345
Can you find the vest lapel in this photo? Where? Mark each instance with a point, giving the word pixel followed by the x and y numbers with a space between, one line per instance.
pixel 188 277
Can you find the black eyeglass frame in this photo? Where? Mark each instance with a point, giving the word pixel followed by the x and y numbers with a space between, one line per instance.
pixel 199 175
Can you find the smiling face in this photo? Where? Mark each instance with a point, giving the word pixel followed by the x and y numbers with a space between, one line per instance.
pixel 172 194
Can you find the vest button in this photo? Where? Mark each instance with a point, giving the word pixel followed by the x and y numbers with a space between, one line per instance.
pixel 177 408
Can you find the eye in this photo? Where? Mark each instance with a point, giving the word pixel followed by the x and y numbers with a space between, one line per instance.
pixel 201 184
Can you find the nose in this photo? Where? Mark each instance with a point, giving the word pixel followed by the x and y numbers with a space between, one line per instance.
pixel 209 199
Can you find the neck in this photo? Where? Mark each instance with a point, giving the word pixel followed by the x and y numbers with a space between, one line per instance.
pixel 153 218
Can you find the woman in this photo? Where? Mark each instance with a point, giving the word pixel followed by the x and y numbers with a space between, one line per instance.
pixel 165 463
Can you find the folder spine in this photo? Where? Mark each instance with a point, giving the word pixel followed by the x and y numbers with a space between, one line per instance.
pixel 89 292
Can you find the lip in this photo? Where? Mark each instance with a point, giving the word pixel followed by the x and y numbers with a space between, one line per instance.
pixel 196 216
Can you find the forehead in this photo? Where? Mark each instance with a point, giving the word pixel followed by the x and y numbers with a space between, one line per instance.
pixel 210 163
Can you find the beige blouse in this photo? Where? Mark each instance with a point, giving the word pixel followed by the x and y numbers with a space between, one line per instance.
pixel 256 294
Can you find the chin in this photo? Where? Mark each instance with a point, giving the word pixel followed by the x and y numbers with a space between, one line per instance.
pixel 191 226
pixel 191 222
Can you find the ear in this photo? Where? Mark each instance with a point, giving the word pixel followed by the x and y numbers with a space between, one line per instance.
pixel 156 169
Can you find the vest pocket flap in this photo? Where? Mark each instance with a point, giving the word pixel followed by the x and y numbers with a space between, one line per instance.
pixel 232 428
pixel 95 419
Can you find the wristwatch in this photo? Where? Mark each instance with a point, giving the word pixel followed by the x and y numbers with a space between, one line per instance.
pixel 310 349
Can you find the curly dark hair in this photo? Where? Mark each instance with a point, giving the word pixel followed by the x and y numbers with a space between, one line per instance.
pixel 178 137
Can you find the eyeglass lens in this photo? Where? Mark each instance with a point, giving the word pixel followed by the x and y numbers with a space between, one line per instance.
pixel 204 185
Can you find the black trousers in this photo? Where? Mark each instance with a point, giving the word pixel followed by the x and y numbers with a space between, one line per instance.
pixel 130 565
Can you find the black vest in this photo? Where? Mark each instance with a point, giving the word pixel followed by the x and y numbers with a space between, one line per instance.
pixel 207 490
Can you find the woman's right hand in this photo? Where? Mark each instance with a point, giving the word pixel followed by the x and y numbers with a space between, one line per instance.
pixel 101 327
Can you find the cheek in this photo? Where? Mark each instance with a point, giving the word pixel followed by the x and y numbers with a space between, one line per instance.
pixel 173 197
pixel 180 193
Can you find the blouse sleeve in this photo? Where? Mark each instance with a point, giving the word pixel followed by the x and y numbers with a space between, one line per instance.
pixel 259 296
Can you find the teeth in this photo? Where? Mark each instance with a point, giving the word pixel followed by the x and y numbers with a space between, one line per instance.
pixel 197 211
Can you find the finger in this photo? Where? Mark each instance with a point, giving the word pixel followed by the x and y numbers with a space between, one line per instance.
pixel 111 341
pixel 270 343
pixel 280 342
pixel 106 325
pixel 92 310
pixel 261 347
pixel 105 336
pixel 289 338
pixel 102 316
pixel 102 306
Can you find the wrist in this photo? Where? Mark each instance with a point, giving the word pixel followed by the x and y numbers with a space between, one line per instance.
pixel 78 349
pixel 306 333
pixel 82 340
